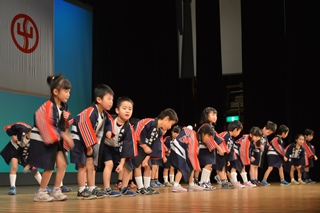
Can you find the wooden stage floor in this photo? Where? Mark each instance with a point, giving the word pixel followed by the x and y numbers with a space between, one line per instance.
pixel 273 198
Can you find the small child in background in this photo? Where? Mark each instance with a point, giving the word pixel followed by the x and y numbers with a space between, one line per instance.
pixel 168 169
pixel 244 148
pixel 209 149
pixel 296 159
pixel 310 155
pixel 268 129
pixel 276 155
pixel 17 152
pixel 148 132
pixel 234 129
pixel 184 156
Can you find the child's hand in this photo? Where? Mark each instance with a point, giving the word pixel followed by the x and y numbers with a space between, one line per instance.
pixel 65 114
pixel 252 159
pixel 89 151
pixel 285 158
pixel 109 134
pixel 146 148
pixel 119 168
pixel 67 138
pixel 315 158
pixel 164 159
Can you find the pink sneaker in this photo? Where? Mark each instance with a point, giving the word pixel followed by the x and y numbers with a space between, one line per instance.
pixel 195 188
pixel 178 188
pixel 249 184
pixel 238 185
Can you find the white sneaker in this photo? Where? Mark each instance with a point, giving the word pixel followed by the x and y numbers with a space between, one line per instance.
pixel 195 188
pixel 178 188
pixel 42 197
pixel 238 185
pixel 294 182
pixel 249 184
pixel 58 195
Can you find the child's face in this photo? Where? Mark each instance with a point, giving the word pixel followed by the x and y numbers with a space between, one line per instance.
pixel 125 110
pixel 235 132
pixel 174 135
pixel 106 102
pixel 300 140
pixel 309 137
pixel 167 123
pixel 212 117
pixel 63 95
pixel 266 132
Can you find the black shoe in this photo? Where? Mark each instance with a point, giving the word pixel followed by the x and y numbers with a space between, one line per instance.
pixel 126 192
pixel 98 193
pixel 144 191
pixel 85 195
pixel 151 190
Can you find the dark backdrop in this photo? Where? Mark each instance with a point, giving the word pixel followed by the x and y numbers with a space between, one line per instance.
pixel 136 53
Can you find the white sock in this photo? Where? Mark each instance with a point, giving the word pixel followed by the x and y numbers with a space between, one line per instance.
pixel 165 179
pixel 244 177
pixel 234 177
pixel 139 182
pixel 38 177
pixel 146 181
pixel 13 178
pixel 61 184
pixel 205 174
pixel 81 188
pixel 171 178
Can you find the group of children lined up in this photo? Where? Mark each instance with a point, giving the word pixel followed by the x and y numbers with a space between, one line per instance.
pixel 135 150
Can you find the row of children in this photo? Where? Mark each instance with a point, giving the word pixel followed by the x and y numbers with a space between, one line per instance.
pixel 100 140
pixel 251 150
pixel 96 138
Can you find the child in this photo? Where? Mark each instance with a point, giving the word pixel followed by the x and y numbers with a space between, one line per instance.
pixel 296 159
pixel 310 155
pixel 50 137
pixel 184 156
pixel 168 169
pixel 268 129
pixel 119 149
pixel 243 149
pixel 207 155
pixel 148 133
pixel 88 128
pixel 276 155
pixel 17 151
pixel 234 129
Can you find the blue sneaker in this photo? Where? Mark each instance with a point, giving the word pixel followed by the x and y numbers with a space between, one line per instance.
pixel 154 185
pixel 126 192
pixel 284 183
pixel 110 193
pixel 65 189
pixel 160 185
pixel 264 183
pixel 12 190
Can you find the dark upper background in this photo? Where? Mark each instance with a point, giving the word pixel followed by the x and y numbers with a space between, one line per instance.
pixel 135 52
